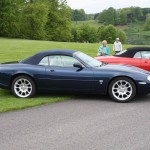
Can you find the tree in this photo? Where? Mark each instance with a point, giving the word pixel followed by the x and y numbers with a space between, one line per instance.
pixel 122 16
pixel 96 16
pixel 88 33
pixel 122 36
pixel 102 17
pixel 145 12
pixel 109 33
pixel 147 23
pixel 59 21
pixel 100 32
pixel 133 14
pixel 78 15
pixel 108 16
pixel 122 20
pixel 9 18
pixel 35 18
pixel 137 12
pixel 76 34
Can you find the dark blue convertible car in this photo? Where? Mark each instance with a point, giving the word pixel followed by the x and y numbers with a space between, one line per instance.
pixel 73 71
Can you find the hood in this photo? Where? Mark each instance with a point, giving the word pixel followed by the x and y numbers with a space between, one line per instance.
pixel 99 57
pixel 125 68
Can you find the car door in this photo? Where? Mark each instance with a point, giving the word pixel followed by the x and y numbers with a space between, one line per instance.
pixel 61 75
pixel 145 61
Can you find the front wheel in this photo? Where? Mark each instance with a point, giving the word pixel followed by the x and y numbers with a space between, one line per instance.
pixel 23 87
pixel 122 90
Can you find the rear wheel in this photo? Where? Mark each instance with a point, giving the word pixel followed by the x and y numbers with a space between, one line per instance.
pixel 122 90
pixel 23 87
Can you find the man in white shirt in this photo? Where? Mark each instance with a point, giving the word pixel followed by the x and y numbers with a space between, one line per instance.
pixel 117 47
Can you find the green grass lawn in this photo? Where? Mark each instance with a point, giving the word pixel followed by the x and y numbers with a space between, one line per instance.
pixel 16 49
pixel 9 102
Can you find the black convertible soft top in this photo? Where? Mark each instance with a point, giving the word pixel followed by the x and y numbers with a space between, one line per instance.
pixel 131 51
pixel 35 59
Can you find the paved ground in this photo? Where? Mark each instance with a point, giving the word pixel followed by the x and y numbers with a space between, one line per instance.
pixel 83 124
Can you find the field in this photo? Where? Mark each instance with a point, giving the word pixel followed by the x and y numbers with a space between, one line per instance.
pixel 16 49
pixel 90 22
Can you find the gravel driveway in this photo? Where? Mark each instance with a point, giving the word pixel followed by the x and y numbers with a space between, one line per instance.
pixel 87 123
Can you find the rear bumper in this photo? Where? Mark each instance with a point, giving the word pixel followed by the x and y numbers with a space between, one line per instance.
pixel 3 86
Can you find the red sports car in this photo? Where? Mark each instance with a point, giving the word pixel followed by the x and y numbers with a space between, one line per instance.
pixel 136 56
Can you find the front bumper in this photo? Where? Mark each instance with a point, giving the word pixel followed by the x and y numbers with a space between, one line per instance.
pixel 143 88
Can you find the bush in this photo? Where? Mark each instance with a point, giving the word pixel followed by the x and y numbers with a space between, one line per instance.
pixel 84 33
pixel 110 33
pixel 122 36
pixel 76 34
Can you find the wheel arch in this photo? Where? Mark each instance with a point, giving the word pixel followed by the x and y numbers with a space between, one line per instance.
pixel 121 77
pixel 22 74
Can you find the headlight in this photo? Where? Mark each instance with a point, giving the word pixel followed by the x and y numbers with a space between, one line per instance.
pixel 148 78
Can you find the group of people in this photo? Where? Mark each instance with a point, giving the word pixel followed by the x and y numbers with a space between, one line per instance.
pixel 104 49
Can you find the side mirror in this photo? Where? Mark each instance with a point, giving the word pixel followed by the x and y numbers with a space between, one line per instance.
pixel 78 65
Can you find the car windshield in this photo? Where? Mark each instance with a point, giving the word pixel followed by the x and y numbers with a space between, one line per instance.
pixel 88 60
pixel 120 52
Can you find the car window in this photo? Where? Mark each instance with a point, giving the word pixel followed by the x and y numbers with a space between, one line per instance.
pixel 68 61
pixel 44 61
pixel 88 60
pixel 145 54
pixel 58 61
pixel 62 61
pixel 55 60
pixel 137 55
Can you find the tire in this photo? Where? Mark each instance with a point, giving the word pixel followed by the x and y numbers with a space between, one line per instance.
pixel 23 87
pixel 122 90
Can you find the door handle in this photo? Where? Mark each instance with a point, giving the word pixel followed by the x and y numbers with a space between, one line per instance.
pixel 52 70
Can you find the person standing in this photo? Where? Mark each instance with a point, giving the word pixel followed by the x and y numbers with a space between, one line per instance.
pixel 117 47
pixel 103 49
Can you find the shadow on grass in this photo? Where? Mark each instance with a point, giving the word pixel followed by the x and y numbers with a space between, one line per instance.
pixel 74 96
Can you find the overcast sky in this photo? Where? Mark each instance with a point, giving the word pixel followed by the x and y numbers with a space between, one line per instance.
pixel 95 6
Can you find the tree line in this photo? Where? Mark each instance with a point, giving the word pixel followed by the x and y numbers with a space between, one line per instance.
pixel 123 16
pixel 35 19
pixel 50 20
pixel 87 33
pixel 115 16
